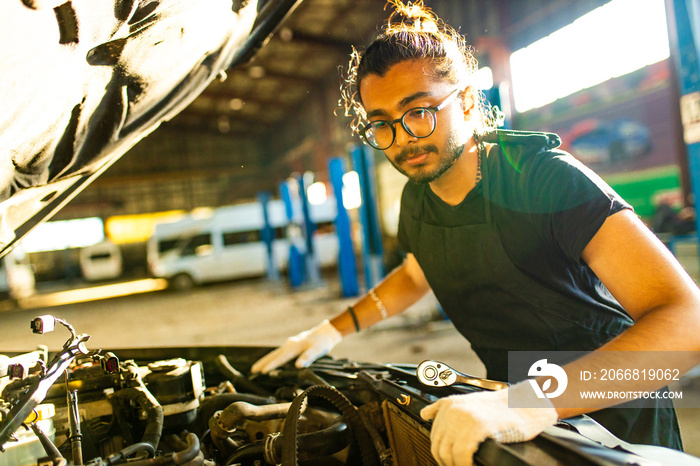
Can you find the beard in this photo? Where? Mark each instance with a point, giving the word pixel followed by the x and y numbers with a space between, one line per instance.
pixel 423 174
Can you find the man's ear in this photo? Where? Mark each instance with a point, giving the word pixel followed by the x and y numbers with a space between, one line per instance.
pixel 468 98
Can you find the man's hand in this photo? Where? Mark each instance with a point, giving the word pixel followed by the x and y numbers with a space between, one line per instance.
pixel 310 345
pixel 462 422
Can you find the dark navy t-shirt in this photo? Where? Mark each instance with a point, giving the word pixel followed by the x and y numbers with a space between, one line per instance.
pixel 547 207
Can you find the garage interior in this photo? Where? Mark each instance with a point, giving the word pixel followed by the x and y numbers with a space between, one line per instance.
pixel 266 120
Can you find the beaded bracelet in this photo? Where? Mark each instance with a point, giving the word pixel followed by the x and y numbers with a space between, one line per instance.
pixel 354 318
pixel 379 303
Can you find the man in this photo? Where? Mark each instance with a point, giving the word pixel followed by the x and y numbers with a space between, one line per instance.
pixel 524 247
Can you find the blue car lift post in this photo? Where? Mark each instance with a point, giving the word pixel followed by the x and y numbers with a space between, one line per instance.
pixel 347 266
pixel 373 250
pixel 295 263
pixel 683 17
pixel 313 268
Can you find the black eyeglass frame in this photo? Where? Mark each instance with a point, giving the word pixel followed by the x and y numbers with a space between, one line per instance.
pixel 433 110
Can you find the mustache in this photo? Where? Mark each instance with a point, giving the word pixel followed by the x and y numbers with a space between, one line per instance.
pixel 413 151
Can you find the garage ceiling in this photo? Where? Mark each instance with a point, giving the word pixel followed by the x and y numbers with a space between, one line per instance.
pixel 317 37
pixel 305 51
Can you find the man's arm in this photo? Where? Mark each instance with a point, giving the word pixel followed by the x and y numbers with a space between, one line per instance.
pixel 400 289
pixel 657 293
pixel 645 278
pixel 654 289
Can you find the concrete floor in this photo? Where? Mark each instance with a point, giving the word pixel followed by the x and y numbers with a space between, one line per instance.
pixel 260 313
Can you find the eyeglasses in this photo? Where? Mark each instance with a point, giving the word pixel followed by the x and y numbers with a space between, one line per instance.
pixel 419 122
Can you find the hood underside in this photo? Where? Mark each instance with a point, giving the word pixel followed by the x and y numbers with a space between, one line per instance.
pixel 84 80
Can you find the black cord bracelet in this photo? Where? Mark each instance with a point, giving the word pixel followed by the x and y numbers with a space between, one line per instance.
pixel 354 318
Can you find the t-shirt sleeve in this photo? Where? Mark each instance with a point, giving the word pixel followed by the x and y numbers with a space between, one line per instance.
pixel 577 200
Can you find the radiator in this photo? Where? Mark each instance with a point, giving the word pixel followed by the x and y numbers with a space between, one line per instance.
pixel 408 438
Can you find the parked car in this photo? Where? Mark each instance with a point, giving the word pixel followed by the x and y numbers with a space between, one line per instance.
pixel 102 261
pixel 228 244
pixel 17 280
pixel 598 142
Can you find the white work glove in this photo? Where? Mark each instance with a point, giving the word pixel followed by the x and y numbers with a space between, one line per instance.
pixel 310 345
pixel 462 422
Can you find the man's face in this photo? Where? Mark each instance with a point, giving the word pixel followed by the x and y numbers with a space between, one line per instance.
pixel 407 85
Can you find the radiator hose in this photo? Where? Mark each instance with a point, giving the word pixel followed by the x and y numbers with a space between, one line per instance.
pixel 224 424
pixel 139 394
pixel 191 456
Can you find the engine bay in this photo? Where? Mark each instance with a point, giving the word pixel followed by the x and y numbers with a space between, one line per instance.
pixel 201 406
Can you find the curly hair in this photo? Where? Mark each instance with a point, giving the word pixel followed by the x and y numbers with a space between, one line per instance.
pixel 412 32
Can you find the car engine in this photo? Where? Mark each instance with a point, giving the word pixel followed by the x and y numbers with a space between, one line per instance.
pixel 201 406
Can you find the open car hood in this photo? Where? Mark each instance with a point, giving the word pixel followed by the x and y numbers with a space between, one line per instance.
pixel 84 80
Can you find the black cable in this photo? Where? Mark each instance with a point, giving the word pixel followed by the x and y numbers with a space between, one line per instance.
pixel 238 379
pixel 130 450
pixel 49 447
pixel 182 457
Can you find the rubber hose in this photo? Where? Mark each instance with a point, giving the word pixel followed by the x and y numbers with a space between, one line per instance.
pixel 224 422
pixel 183 457
pixel 218 402
pixel 237 379
pixel 240 411
pixel 197 461
pixel 130 450
pixel 320 444
pixel 153 410
pixel 249 452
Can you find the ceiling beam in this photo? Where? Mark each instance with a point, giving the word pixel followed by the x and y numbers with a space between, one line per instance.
pixel 234 170
pixel 222 94
pixel 326 42
pixel 212 125
pixel 257 118
pixel 290 78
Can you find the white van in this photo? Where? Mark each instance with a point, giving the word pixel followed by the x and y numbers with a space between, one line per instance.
pixel 17 279
pixel 228 244
pixel 101 261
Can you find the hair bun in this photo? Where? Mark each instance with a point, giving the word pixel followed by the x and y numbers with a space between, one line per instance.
pixel 412 16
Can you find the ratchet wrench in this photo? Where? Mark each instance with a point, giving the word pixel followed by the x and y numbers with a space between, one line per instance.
pixel 439 374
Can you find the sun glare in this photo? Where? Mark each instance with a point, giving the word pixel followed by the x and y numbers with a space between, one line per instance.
pixel 64 234
pixel 615 39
